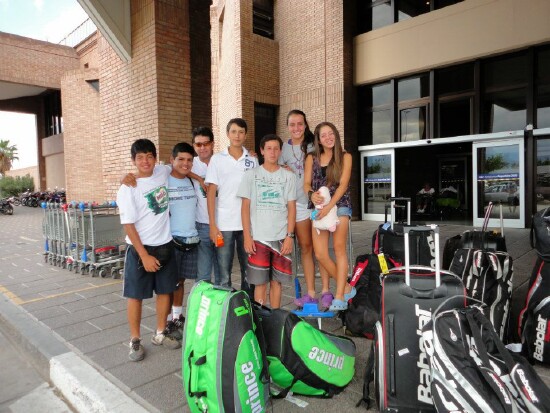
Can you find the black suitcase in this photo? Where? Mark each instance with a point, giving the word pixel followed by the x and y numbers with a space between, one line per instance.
pixel 389 237
pixel 409 295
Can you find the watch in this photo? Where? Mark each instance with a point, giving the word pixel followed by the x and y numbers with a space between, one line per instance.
pixel 290 234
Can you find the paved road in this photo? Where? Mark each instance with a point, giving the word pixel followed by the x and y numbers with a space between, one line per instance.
pixel 21 387
pixel 88 315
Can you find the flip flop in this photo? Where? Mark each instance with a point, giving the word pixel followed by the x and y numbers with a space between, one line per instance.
pixel 350 295
pixel 338 305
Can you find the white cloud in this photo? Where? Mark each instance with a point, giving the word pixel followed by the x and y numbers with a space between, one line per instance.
pixel 68 20
pixel 39 4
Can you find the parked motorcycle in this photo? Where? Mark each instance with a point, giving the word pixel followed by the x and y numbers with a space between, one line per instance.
pixel 5 207
pixel 14 200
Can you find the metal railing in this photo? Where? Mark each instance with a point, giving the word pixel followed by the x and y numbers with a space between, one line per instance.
pixel 83 31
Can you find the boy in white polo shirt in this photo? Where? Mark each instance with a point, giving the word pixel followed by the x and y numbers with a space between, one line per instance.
pixel 224 175
pixel 150 264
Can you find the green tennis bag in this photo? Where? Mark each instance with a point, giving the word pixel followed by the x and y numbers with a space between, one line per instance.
pixel 302 358
pixel 223 367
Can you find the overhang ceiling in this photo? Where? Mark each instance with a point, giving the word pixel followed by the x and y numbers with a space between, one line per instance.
pixel 112 18
pixel 16 90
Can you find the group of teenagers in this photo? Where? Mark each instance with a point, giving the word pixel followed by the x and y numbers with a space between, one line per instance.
pixel 185 220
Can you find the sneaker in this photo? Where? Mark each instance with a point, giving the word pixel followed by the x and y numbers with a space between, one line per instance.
pixel 137 353
pixel 326 301
pixel 166 339
pixel 178 327
pixel 172 327
pixel 305 299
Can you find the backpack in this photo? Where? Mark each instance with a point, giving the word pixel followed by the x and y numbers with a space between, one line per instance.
pixel 223 366
pixel 472 371
pixel 487 277
pixel 534 318
pixel 364 309
pixel 540 233
pixel 302 358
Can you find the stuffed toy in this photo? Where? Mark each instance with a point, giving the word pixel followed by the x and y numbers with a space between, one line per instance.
pixel 330 221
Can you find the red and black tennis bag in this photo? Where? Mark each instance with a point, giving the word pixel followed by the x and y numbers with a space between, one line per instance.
pixel 364 309
pixel 534 319
pixel 472 371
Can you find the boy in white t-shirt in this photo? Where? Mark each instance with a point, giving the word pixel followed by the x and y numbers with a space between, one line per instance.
pixel 224 175
pixel 149 265
pixel 268 211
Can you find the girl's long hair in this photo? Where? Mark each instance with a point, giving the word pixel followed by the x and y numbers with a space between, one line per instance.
pixel 308 135
pixel 336 164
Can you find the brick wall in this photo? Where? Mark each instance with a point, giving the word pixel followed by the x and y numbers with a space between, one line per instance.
pixel 34 62
pixel 201 84
pixel 227 96
pixel 82 137
pixel 128 105
pixel 150 96
pixel 88 53
pixel 173 73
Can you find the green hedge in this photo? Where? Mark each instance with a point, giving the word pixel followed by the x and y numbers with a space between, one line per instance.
pixel 14 186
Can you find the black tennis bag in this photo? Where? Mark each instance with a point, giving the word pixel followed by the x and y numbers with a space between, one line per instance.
pixel 487 277
pixel 364 309
pixel 534 319
pixel 472 371
pixel 476 239
pixel 302 358
pixel 540 233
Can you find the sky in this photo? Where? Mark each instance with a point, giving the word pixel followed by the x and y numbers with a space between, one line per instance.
pixel 48 20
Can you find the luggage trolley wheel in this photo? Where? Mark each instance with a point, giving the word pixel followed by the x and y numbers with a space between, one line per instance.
pixel 103 272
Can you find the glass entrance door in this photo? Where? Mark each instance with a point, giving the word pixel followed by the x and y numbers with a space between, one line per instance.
pixel 498 173
pixel 378 178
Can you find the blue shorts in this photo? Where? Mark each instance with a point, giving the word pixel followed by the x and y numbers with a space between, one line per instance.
pixel 186 263
pixel 343 211
pixel 140 284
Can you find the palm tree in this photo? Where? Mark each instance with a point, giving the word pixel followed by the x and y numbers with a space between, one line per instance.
pixel 8 154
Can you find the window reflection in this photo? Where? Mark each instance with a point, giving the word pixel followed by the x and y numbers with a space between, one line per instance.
pixel 413 124
pixel 505 111
pixel 377 183
pixel 542 190
pixel 498 180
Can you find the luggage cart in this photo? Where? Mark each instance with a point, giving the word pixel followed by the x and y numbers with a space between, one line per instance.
pixel 100 243
pixel 311 310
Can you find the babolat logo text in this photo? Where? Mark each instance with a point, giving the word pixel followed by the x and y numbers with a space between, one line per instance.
pixel 328 359
pixel 424 393
pixel 253 400
pixel 204 308
pixel 527 386
pixel 539 342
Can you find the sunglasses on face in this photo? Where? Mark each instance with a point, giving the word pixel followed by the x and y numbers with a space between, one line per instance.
pixel 201 144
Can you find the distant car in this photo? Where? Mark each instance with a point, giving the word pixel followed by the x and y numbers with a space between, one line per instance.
pixel 500 193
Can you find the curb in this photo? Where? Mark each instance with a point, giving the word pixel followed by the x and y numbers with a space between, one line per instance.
pixel 84 387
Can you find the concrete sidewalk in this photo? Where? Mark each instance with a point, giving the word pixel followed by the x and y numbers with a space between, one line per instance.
pixel 75 327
